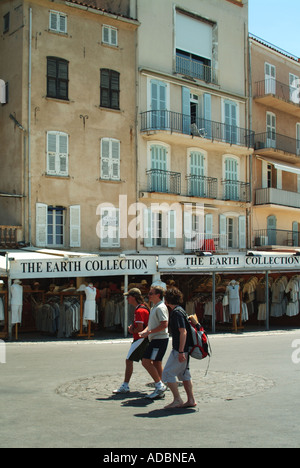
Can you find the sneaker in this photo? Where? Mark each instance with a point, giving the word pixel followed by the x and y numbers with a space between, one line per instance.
pixel 158 393
pixel 123 389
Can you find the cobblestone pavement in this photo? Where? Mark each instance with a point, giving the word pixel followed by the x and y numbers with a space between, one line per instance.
pixel 212 387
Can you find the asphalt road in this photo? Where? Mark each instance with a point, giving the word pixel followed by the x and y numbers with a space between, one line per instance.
pixel 59 395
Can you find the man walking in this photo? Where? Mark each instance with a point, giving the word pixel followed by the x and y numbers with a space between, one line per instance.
pixel 177 364
pixel 158 336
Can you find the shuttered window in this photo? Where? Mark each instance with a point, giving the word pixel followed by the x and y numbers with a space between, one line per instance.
pixel 57 78
pixel 50 225
pixel 109 89
pixel 110 159
pixel 58 22
pixel 110 227
pixel 109 35
pixel 57 153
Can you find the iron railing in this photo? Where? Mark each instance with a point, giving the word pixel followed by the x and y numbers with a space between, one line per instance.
pixel 276 141
pixel 8 236
pixel 276 196
pixel 164 181
pixel 195 69
pixel 201 186
pixel 203 128
pixel 280 90
pixel 236 190
pixel 267 237
pixel 203 242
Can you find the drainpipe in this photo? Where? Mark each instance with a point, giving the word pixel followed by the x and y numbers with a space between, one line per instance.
pixel 29 125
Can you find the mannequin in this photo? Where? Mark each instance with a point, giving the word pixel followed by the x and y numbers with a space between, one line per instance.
pixel 16 304
pixel 233 291
pixel 90 303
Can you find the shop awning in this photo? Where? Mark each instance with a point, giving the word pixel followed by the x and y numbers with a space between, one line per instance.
pixel 281 166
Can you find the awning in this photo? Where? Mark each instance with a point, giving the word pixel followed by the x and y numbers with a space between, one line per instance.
pixel 281 166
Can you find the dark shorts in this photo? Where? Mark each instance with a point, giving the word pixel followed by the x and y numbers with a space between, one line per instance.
pixel 137 349
pixel 156 349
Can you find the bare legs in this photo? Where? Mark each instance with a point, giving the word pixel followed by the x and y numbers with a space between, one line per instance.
pixel 177 400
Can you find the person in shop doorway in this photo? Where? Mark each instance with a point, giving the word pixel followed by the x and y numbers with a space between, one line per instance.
pixel 177 366
pixel 139 345
pixel 157 333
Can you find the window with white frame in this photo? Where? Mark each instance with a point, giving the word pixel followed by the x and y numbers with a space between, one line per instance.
pixel 57 153
pixel 109 227
pixel 110 159
pixel 51 225
pixel 58 22
pixel 109 35
pixel 232 231
pixel 159 228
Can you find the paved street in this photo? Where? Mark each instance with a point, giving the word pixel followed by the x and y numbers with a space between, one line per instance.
pixel 58 394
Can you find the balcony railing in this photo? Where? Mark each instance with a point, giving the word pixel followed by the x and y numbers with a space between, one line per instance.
pixel 195 69
pixel 204 187
pixel 280 90
pixel 164 181
pixel 277 197
pixel 203 242
pixel 276 141
pixel 8 236
pixel 203 128
pixel 236 191
pixel 267 237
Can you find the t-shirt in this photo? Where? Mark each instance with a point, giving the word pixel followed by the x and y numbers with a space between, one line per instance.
pixel 177 321
pixel 141 315
pixel 159 313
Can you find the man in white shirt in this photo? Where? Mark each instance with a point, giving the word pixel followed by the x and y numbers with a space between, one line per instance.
pixel 158 336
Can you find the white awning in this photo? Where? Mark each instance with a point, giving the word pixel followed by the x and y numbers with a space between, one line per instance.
pixel 281 166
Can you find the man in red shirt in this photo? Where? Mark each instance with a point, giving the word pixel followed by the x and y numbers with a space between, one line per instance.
pixel 138 346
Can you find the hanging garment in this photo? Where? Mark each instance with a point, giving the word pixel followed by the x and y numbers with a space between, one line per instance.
pixel 90 303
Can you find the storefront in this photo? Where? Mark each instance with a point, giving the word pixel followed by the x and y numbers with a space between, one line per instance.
pixel 53 290
pixel 209 283
pixel 268 286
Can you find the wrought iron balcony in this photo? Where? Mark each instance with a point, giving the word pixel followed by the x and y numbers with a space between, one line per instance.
pixel 160 120
pixel 236 191
pixel 273 140
pixel 195 69
pixel 267 237
pixel 8 236
pixel 203 242
pixel 280 90
pixel 276 196
pixel 164 181
pixel 203 187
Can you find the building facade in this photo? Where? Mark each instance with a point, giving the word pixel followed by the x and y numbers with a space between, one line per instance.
pixel 275 118
pixel 194 143
pixel 68 126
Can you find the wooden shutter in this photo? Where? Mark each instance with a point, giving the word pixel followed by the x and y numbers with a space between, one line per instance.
pixel 171 228
pixel 110 159
pixel 242 232
pixel 223 231
pixel 147 228
pixel 75 228
pixel 41 224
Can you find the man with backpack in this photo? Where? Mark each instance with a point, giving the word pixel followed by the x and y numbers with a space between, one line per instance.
pixel 177 364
